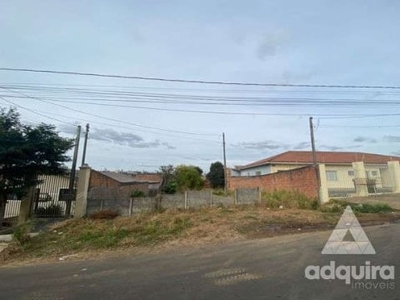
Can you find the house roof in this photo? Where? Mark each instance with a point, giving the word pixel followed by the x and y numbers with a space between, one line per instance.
pixel 120 177
pixel 328 157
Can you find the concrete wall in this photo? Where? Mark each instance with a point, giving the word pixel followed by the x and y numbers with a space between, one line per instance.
pixel 303 180
pixel 108 198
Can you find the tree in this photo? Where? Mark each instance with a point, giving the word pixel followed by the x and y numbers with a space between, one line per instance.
pixel 216 176
pixel 188 177
pixel 168 185
pixel 26 152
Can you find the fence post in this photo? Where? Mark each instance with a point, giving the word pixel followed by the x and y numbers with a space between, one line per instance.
pixel 259 195
pixel 186 200
pixel 323 188
pixel 235 200
pixel 130 206
pixel 26 206
pixel 360 179
pixel 211 199
pixel 82 192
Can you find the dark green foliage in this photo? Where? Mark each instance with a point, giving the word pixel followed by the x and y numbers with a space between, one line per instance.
pixel 138 194
pixel 171 188
pixel 216 176
pixel 26 152
pixel 53 210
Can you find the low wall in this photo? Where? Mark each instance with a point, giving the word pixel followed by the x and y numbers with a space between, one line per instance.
pixel 107 198
pixel 303 180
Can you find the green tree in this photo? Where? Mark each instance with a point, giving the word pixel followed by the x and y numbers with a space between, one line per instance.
pixel 25 153
pixel 188 177
pixel 168 185
pixel 216 176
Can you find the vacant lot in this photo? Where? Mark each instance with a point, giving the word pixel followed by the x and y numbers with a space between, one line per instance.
pixel 155 231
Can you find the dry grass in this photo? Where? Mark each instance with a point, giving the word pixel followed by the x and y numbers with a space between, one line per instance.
pixel 180 228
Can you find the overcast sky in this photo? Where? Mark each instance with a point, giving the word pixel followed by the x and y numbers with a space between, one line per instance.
pixel 296 42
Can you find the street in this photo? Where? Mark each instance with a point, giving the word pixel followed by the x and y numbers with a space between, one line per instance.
pixel 271 268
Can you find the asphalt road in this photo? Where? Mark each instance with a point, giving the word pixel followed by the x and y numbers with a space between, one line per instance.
pixel 259 269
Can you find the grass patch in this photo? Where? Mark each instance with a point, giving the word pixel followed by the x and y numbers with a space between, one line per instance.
pixel 191 227
pixel 288 199
pixel 338 206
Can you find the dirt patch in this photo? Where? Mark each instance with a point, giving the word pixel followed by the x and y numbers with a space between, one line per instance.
pixel 86 238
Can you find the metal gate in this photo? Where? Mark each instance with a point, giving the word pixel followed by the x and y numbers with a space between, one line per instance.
pixel 51 198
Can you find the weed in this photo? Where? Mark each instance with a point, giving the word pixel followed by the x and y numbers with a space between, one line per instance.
pixel 288 199
pixel 21 233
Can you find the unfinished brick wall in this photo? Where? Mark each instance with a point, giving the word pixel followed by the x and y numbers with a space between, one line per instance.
pixel 124 190
pixel 303 180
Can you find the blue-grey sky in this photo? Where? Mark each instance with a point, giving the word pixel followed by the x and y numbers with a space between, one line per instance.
pixel 298 42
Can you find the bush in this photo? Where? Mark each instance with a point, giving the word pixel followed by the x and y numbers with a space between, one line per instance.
pixel 21 233
pixel 53 210
pixel 171 188
pixel 138 194
pixel 105 214
pixel 335 206
pixel 288 199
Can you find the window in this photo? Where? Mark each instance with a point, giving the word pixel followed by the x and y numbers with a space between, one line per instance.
pixel 374 173
pixel 331 175
pixel 258 173
pixel 350 173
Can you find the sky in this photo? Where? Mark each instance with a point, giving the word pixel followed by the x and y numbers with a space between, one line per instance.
pixel 143 124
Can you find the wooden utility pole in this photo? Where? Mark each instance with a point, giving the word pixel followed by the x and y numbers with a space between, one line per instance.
pixel 223 145
pixel 85 144
pixel 314 154
pixel 73 171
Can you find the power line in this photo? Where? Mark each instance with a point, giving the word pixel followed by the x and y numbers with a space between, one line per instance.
pixel 37 113
pixel 201 81
pixel 107 118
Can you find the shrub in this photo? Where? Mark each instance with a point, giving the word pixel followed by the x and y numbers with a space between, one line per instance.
pixel 288 199
pixel 335 206
pixel 170 188
pixel 138 194
pixel 53 210
pixel 105 214
pixel 21 233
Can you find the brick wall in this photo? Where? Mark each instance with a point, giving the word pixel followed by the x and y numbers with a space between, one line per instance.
pixel 98 180
pixel 303 180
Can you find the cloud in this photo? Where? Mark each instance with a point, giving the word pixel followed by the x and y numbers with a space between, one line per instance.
pixel 126 139
pixel 301 146
pixel 270 44
pixel 120 138
pixel 262 145
pixel 330 148
pixel 362 139
pixel 392 138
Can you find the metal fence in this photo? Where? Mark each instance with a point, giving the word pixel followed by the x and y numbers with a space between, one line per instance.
pixel 345 181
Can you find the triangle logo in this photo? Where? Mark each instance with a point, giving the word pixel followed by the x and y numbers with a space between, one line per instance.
pixel 338 244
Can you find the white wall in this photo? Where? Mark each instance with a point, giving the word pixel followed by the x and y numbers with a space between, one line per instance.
pixel 253 171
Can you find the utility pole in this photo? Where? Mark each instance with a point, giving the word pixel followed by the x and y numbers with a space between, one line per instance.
pixel 314 154
pixel 85 144
pixel 73 171
pixel 223 145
